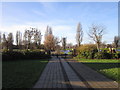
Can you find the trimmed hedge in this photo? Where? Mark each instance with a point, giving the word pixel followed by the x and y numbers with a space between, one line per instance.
pixel 15 55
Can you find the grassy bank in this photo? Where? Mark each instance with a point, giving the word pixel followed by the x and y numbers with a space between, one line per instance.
pixel 108 67
pixel 22 73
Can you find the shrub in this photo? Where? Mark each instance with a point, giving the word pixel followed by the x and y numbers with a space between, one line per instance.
pixel 116 55
pixel 103 55
pixel 17 55
pixel 11 55
pixel 87 51
pixel 104 49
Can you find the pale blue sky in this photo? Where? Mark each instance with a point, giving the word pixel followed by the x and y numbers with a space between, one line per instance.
pixel 62 17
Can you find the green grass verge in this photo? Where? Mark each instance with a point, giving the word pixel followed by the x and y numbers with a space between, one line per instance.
pixel 108 67
pixel 100 60
pixel 22 73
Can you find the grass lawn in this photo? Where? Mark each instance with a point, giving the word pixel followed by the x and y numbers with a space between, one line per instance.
pixel 22 73
pixel 108 67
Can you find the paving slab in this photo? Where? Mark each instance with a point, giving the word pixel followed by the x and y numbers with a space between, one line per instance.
pixel 72 76
pixel 61 73
pixel 93 78
pixel 58 74
pixel 52 76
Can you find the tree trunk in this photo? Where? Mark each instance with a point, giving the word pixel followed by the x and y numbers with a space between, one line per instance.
pixel 98 47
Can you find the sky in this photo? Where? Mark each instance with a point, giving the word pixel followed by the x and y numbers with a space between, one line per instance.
pixel 63 17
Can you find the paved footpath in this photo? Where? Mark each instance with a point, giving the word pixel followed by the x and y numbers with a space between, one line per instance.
pixel 60 74
pixel 52 76
pixel 92 78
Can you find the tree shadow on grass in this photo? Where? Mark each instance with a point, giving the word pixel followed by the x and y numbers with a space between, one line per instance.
pixel 103 65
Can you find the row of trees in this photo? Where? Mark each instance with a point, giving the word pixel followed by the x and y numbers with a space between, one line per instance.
pixel 31 38
pixel 96 33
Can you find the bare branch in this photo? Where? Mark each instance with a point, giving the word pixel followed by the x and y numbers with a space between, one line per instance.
pixel 96 33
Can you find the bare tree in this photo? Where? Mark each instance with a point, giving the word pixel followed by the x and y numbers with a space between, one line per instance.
pixel 79 34
pixel 57 46
pixel 10 41
pixel 116 41
pixel 25 39
pixel 29 36
pixel 57 41
pixel 69 45
pixel 46 32
pixel 32 38
pixel 96 32
pixel 4 42
pixel 50 31
pixel 64 43
pixel 37 37
pixel 0 38
pixel 0 42
pixel 18 39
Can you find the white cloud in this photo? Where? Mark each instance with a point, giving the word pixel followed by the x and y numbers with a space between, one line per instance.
pixel 39 13
pixel 62 27
pixel 58 30
pixel 13 29
pixel 62 30
pixel 21 28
